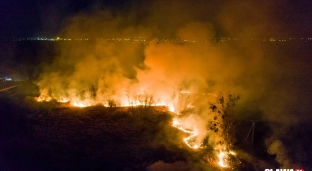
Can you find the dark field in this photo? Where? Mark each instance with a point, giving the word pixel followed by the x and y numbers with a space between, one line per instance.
pixel 53 136
pixel 47 136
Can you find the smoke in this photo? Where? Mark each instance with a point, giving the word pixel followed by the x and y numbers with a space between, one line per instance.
pixel 96 71
pixel 276 147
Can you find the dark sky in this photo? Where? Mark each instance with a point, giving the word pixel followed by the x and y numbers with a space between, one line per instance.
pixel 26 18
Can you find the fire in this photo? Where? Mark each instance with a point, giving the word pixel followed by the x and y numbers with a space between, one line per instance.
pixel 191 128
pixel 221 157
pixel 63 100
pixel 76 103
pixel 124 100
pixel 195 146
pixel 171 108
pixel 81 104
pixel 188 140
pixel 43 98
pixel 224 158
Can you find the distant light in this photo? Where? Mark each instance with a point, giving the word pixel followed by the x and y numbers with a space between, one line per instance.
pixel 7 79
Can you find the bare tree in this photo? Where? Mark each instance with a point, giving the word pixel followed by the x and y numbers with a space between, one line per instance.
pixel 111 103
pixel 148 100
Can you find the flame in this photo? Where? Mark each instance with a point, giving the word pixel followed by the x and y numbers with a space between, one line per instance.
pixel 171 108
pixel 223 155
pixel 125 100
pixel 223 158
pixel 187 140
pixel 222 162
pixel 81 104
pixel 141 99
pixel 43 98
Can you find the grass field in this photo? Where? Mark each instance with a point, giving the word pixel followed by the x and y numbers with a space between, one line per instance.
pixel 53 136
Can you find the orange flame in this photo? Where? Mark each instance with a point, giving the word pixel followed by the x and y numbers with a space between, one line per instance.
pixel 43 98
pixel 188 139
pixel 125 100
pixel 81 104
pixel 221 157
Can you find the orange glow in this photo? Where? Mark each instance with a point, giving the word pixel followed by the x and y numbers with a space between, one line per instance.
pixel 221 157
pixel 43 98
pixel 171 108
pixel 63 100
pixel 81 104
pixel 189 126
pixel 188 140
pixel 123 99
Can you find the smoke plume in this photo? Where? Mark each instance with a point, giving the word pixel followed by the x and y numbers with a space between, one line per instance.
pixel 111 67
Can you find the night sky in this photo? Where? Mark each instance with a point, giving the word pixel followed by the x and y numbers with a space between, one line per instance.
pixel 20 18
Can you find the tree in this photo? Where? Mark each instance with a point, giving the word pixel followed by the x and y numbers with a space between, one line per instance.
pixel 223 118
pixel 111 103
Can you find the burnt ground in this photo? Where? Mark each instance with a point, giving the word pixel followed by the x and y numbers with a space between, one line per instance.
pixel 43 137
pixel 51 136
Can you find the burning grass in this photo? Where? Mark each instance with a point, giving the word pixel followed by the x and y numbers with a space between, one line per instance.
pixel 188 126
pixel 64 137
pixel 97 137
